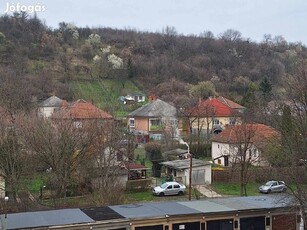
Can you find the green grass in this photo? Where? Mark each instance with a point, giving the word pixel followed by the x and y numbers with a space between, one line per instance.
pixel 233 189
pixel 104 94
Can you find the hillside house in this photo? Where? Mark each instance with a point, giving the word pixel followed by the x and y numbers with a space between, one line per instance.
pixel 213 114
pixel 51 104
pixel 81 112
pixel 154 119
pixel 254 136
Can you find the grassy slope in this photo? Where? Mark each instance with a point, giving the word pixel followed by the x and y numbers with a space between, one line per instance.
pixel 104 93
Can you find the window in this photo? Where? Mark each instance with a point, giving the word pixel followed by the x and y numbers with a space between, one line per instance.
pixel 169 187
pixel 232 121
pixel 176 186
pixel 155 124
pixel 216 121
pixel 78 124
pixel 131 122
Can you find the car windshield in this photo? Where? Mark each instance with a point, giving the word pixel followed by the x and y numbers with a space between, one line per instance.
pixel 164 185
pixel 269 183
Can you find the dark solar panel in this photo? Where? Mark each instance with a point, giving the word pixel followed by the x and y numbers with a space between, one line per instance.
pixel 101 213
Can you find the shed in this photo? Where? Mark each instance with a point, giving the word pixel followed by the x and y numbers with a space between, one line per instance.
pixel 180 170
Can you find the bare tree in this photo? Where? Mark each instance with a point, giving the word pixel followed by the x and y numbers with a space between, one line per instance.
pixel 293 128
pixel 60 147
pixel 242 153
pixel 12 156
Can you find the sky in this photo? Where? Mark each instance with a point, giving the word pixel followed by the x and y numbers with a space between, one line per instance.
pixel 253 18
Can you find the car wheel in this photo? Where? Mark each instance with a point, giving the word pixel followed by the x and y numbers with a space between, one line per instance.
pixel 269 191
pixel 180 193
pixel 161 194
pixel 284 189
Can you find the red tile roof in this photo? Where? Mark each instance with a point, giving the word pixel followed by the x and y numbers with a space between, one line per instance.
pixel 216 107
pixel 230 103
pixel 133 166
pixel 211 107
pixel 81 109
pixel 256 133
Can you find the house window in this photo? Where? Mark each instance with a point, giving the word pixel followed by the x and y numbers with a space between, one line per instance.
pixel 131 122
pixel 216 121
pixel 155 125
pixel 78 124
pixel 232 121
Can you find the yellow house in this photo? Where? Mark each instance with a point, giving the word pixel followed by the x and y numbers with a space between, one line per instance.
pixel 213 114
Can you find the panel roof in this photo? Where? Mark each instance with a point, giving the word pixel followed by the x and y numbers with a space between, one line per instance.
pixel 153 209
pixel 46 218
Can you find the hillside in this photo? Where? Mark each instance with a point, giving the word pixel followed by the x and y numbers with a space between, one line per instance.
pixel 73 62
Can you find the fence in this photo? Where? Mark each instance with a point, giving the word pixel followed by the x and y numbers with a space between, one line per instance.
pixel 258 175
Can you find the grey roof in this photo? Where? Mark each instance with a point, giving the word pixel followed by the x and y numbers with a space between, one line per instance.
pixel 157 108
pixel 185 163
pixel 46 218
pixel 153 209
pixel 240 203
pixel 52 101
pixel 175 152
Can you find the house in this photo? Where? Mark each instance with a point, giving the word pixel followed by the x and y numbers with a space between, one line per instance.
pixel 154 119
pixel 137 97
pixel 80 112
pixel 48 106
pixel 254 136
pixel 2 185
pixel 213 114
pixel 180 170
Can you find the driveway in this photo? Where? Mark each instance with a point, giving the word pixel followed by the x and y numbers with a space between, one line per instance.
pixel 207 191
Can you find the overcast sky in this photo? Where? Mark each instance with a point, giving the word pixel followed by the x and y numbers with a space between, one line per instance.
pixel 253 18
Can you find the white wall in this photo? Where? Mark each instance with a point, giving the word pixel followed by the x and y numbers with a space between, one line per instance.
pixel 2 187
pixel 47 111
pixel 219 149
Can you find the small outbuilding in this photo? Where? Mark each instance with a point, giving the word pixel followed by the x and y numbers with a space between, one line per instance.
pixel 180 170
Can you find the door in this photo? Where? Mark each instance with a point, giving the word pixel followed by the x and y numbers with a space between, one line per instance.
pixel 187 226
pixel 252 223
pixel 154 227
pixel 226 224
pixel 169 190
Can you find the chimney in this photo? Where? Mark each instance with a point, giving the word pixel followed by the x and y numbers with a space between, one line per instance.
pixel 64 104
pixel 199 101
pixel 152 97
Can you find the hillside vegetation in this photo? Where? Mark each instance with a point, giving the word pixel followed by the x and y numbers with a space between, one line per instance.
pixel 100 64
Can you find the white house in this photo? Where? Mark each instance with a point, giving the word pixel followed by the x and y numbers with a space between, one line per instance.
pixel 2 185
pixel 48 106
pixel 254 137
pixel 180 170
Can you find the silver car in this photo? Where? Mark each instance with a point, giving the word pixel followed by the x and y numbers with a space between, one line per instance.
pixel 273 186
pixel 169 188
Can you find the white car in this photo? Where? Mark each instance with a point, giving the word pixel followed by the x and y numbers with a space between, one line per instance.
pixel 169 188
pixel 273 186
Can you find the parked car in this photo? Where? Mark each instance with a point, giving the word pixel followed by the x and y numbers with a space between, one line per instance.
pixel 169 188
pixel 273 186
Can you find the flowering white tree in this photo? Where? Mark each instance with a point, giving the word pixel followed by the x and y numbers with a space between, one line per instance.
pixel 94 40
pixel 117 62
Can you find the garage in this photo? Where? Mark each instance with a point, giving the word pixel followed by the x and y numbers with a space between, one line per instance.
pixel 153 227
pixel 226 224
pixel 252 223
pixel 187 226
